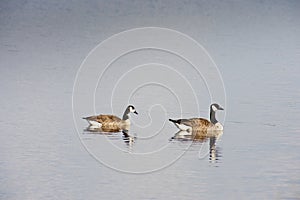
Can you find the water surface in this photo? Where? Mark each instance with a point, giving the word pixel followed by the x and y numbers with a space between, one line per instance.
pixel 256 47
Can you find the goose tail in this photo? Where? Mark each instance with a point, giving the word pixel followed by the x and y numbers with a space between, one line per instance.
pixel 175 121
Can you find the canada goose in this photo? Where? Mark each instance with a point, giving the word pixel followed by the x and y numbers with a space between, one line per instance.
pixel 111 123
pixel 200 123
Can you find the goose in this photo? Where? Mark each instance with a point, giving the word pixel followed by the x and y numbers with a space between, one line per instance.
pixel 111 123
pixel 200 123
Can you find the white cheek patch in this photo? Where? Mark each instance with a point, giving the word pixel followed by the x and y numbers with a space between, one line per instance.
pixel 131 110
pixel 214 108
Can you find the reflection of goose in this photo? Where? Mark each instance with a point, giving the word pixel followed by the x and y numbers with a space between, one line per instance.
pixel 198 135
pixel 127 138
pixel 111 123
pixel 213 151
pixel 202 136
pixel 200 123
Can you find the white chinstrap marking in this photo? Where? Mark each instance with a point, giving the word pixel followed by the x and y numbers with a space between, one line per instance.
pixel 131 109
pixel 214 108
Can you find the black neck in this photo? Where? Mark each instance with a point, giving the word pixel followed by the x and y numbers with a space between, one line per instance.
pixel 213 116
pixel 126 114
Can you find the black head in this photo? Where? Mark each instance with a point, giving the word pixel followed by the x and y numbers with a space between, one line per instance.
pixel 216 107
pixel 132 109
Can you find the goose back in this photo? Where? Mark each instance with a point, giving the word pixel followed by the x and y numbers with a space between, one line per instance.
pixel 109 123
pixel 196 123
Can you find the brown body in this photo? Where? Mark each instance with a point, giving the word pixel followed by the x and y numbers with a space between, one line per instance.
pixel 198 124
pixel 195 124
pixel 110 123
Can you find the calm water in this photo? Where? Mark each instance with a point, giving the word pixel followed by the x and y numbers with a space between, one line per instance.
pixel 257 49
